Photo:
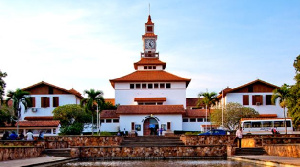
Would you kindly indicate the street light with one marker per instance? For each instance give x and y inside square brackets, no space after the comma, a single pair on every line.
[222,109]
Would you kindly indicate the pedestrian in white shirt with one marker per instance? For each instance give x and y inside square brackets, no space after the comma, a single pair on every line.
[239,136]
[29,135]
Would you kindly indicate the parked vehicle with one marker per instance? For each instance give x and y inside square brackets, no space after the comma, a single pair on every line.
[214,132]
[265,126]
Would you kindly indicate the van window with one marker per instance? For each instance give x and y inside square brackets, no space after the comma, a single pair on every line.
[247,125]
[267,124]
[256,124]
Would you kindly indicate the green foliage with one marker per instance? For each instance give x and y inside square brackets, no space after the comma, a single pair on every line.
[294,98]
[72,118]
[104,133]
[70,113]
[5,115]
[73,129]
[193,133]
[232,114]
[18,97]
[2,85]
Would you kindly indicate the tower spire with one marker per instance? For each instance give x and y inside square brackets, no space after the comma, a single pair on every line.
[149,8]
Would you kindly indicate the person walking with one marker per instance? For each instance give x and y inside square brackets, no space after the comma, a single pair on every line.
[239,136]
[41,135]
[29,135]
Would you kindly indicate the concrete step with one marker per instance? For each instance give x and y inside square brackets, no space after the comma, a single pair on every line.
[251,151]
[64,152]
[152,141]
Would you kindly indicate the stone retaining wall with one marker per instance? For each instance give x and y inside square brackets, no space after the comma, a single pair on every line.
[88,140]
[10,153]
[38,143]
[193,140]
[281,140]
[283,150]
[150,152]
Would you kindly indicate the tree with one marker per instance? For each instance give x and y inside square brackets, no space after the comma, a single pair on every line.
[282,94]
[19,99]
[93,103]
[5,115]
[72,118]
[209,99]
[233,112]
[294,100]
[2,85]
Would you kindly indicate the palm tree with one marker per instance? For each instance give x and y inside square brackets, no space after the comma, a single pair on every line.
[282,94]
[209,99]
[93,103]
[19,98]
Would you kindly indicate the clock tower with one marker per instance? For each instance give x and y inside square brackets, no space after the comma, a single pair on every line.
[149,39]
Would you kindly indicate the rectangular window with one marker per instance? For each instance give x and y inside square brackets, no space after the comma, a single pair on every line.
[154,67]
[145,67]
[257,100]
[245,99]
[115,120]
[101,120]
[267,124]
[168,85]
[45,102]
[138,86]
[192,119]
[185,120]
[150,86]
[150,103]
[250,88]
[149,28]
[144,86]
[55,101]
[278,124]
[288,123]
[140,103]
[50,90]
[159,103]
[155,86]
[162,85]
[149,67]
[247,125]
[256,124]
[131,86]
[199,119]
[108,120]
[32,102]
[268,100]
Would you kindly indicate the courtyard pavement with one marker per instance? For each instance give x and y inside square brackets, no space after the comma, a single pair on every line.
[30,161]
[269,160]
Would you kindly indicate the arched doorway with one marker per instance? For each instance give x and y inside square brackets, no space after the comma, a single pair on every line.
[150,127]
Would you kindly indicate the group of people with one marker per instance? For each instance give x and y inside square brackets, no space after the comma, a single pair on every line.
[14,136]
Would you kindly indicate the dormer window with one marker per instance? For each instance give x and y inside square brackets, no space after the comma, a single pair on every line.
[149,67]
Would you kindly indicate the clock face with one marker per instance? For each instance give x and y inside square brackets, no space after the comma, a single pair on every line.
[149,44]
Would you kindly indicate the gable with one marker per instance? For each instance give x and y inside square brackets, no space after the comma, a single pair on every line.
[255,86]
[45,89]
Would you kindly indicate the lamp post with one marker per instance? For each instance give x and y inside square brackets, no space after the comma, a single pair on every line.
[206,117]
[222,110]
[97,120]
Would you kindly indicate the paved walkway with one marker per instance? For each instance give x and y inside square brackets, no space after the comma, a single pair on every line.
[30,161]
[269,160]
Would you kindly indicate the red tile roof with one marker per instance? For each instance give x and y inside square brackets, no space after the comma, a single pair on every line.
[71,91]
[108,114]
[268,115]
[192,102]
[196,113]
[161,99]
[39,118]
[150,109]
[149,61]
[150,76]
[149,22]
[53,123]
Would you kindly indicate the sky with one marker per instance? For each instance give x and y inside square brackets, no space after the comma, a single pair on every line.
[82,44]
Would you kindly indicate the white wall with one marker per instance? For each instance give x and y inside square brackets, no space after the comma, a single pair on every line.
[262,109]
[63,100]
[125,121]
[194,126]
[175,95]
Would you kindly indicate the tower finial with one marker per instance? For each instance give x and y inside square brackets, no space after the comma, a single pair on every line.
[149,8]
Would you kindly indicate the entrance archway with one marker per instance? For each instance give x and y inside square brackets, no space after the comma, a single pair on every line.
[150,127]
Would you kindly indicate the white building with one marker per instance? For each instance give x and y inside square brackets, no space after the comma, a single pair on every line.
[151,98]
[44,98]
[256,94]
